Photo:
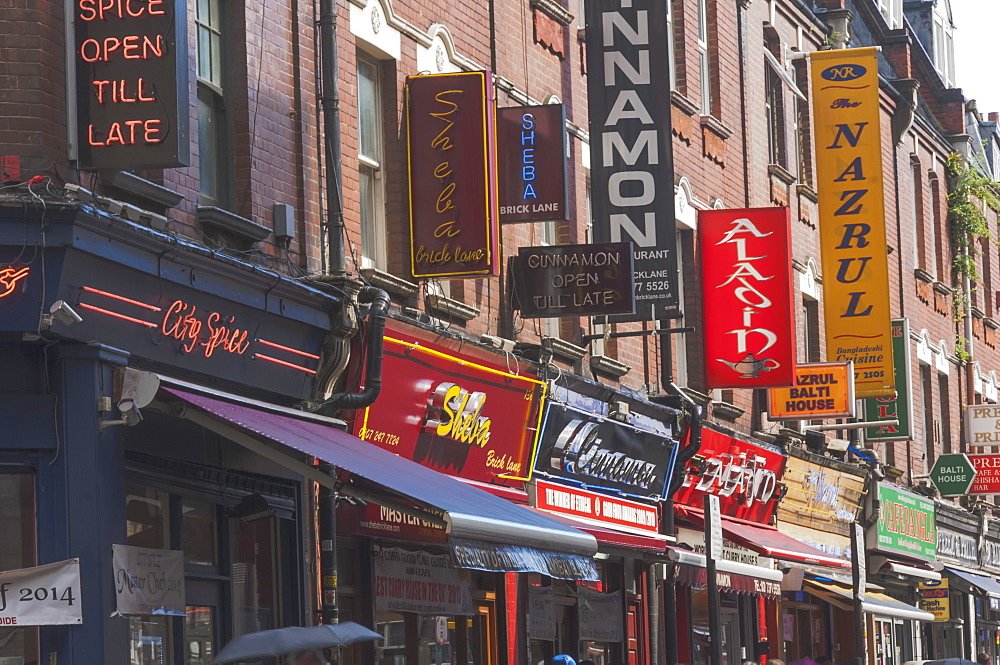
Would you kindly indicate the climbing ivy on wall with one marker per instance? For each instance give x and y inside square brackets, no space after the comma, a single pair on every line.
[970,193]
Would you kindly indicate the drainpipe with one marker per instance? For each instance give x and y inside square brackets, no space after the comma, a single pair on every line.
[330,102]
[970,379]
[742,6]
[379,300]
[674,484]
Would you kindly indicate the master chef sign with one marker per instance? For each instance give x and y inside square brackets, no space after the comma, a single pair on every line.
[746,282]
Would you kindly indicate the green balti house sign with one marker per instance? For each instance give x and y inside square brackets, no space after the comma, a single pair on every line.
[906,524]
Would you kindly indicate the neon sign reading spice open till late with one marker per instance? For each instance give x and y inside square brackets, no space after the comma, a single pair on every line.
[199,331]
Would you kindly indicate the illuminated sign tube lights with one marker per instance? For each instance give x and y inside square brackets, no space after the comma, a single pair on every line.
[285,348]
[283,363]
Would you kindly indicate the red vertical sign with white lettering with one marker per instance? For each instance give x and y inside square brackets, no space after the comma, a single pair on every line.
[748,320]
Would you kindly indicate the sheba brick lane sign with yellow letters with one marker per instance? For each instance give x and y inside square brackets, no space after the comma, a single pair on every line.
[852,216]
[451,149]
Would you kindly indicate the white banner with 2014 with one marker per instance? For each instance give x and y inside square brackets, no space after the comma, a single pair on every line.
[46,595]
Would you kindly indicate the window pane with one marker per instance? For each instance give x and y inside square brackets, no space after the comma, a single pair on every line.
[199,528]
[199,635]
[149,641]
[209,127]
[255,575]
[216,60]
[147,515]
[369,115]
[17,550]
[204,53]
[369,239]
[203,11]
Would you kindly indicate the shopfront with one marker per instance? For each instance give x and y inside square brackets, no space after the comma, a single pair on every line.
[988,625]
[148,410]
[603,468]
[746,475]
[823,499]
[953,631]
[902,543]
[466,413]
[89,473]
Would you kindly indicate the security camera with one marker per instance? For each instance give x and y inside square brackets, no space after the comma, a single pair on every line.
[131,416]
[61,311]
[130,412]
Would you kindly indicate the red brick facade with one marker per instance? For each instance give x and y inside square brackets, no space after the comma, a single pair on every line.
[536,51]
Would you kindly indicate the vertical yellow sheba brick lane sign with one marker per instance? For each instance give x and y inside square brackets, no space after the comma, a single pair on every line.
[852,216]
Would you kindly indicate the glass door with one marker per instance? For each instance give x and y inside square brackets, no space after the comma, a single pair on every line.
[203,621]
[731,639]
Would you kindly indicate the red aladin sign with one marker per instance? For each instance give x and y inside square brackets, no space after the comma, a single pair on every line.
[748,320]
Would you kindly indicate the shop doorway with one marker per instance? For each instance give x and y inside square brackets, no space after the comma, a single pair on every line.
[731,646]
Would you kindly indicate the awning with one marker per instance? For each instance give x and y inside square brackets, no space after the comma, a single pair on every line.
[485,531]
[730,575]
[987,585]
[614,538]
[905,570]
[767,541]
[874,603]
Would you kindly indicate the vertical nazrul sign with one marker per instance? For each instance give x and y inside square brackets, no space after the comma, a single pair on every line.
[852,216]
[631,163]
[453,181]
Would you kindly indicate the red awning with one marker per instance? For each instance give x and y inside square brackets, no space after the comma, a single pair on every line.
[766,540]
[612,537]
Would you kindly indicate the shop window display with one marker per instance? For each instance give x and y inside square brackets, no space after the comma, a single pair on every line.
[18,646]
[233,575]
[147,514]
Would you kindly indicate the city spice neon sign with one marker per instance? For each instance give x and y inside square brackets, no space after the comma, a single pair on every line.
[205,331]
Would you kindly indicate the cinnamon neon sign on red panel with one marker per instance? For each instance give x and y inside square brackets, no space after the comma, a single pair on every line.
[199,331]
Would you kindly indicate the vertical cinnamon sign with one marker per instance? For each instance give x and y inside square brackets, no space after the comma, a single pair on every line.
[852,216]
[453,181]
[749,323]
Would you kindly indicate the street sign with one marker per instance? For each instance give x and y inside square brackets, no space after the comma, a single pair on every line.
[713,524]
[953,475]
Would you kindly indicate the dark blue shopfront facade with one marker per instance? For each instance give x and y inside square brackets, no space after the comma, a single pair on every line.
[160,303]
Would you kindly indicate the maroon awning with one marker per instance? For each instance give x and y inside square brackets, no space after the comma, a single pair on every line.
[767,541]
[695,576]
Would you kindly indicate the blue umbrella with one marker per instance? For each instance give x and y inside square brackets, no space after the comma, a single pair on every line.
[282,641]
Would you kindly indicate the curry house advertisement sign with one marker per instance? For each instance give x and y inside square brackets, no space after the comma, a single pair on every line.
[852,216]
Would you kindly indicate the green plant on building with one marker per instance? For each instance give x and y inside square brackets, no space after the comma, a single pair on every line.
[970,193]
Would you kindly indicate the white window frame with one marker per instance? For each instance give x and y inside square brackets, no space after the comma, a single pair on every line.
[944,46]
[704,66]
[370,165]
